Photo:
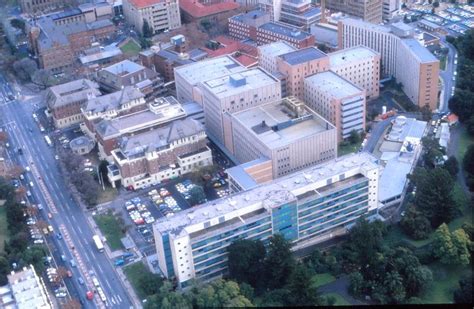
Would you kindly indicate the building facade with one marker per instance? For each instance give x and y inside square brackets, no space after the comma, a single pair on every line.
[66,100]
[232,93]
[287,132]
[35,7]
[390,8]
[367,10]
[401,57]
[337,100]
[159,15]
[360,65]
[297,65]
[268,54]
[150,157]
[306,207]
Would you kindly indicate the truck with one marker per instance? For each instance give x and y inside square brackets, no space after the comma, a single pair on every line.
[98,243]
[48,141]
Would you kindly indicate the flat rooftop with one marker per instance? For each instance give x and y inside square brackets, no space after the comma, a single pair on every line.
[124,68]
[239,82]
[284,30]
[276,49]
[349,55]
[422,53]
[276,124]
[272,194]
[403,128]
[303,55]
[249,15]
[331,83]
[364,24]
[201,71]
[393,179]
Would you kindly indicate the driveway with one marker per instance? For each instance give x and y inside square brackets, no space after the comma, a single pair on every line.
[340,286]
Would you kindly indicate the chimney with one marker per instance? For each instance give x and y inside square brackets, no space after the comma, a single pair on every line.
[263,124]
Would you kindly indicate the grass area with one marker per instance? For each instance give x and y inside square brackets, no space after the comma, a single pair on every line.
[340,301]
[445,281]
[397,236]
[111,228]
[131,48]
[322,279]
[134,272]
[347,149]
[3,227]
[464,142]
[106,196]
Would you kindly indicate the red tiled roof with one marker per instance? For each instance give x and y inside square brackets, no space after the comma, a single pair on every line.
[230,46]
[144,3]
[453,118]
[246,60]
[197,10]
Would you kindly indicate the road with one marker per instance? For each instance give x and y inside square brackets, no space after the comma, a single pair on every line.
[447,76]
[67,216]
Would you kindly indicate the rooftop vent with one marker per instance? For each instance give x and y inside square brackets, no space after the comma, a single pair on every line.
[190,216]
[237,80]
[295,33]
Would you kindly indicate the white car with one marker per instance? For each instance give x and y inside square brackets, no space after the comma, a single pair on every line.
[38,241]
[56,157]
[31,184]
[27,169]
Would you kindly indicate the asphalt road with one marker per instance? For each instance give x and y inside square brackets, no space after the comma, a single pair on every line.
[67,216]
[447,76]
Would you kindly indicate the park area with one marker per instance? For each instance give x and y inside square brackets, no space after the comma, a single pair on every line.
[111,228]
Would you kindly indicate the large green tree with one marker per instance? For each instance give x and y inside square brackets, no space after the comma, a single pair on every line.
[245,261]
[468,165]
[279,262]
[451,248]
[302,291]
[415,223]
[463,295]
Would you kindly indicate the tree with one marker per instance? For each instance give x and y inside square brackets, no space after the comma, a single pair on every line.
[149,283]
[166,298]
[72,304]
[415,223]
[279,262]
[470,125]
[393,284]
[426,113]
[3,136]
[61,274]
[146,29]
[356,284]
[197,195]
[18,23]
[451,248]
[103,170]
[15,171]
[435,4]
[4,270]
[354,137]
[43,78]
[219,293]
[452,166]
[245,261]
[463,295]
[468,165]
[462,103]
[25,68]
[302,291]
[462,245]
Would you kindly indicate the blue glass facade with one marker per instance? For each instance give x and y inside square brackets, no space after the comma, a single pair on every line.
[168,257]
[285,221]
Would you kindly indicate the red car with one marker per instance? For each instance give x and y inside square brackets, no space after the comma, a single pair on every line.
[90,295]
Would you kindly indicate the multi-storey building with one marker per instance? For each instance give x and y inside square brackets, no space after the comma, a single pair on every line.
[195,11]
[390,8]
[127,73]
[226,95]
[299,13]
[188,77]
[107,132]
[66,100]
[306,207]
[272,32]
[297,65]
[268,54]
[35,7]
[337,100]
[159,15]
[255,25]
[287,132]
[360,65]
[59,39]
[401,56]
[152,156]
[368,10]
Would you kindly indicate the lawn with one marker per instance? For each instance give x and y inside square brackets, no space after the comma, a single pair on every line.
[322,279]
[3,227]
[397,236]
[340,301]
[131,48]
[111,228]
[464,141]
[445,281]
[134,273]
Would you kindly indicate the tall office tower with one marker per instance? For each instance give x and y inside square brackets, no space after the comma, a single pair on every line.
[306,207]
[402,57]
[368,10]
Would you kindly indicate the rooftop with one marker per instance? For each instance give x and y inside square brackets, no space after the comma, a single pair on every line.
[268,195]
[232,84]
[284,30]
[303,55]
[123,68]
[249,15]
[113,100]
[276,49]
[173,56]
[393,178]
[403,128]
[350,55]
[197,9]
[140,4]
[77,90]
[106,53]
[283,122]
[331,83]
[423,54]
[207,69]
[28,290]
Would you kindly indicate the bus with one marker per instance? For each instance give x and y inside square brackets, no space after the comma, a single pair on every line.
[98,243]
[48,141]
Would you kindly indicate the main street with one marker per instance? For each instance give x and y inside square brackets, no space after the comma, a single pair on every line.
[447,75]
[66,216]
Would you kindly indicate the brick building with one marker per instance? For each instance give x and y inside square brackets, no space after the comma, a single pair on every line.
[66,100]
[194,10]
